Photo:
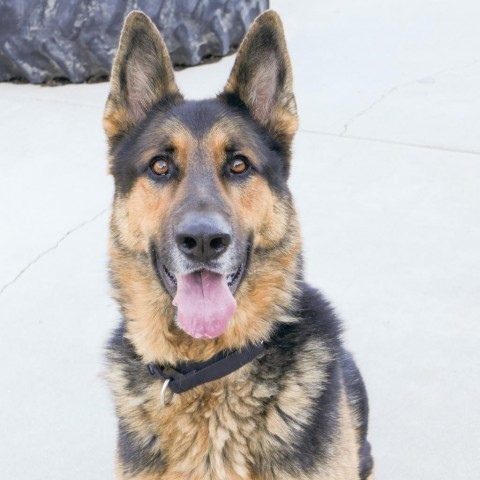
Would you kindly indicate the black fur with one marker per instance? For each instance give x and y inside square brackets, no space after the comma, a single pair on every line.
[316,322]
[198,117]
[304,348]
[137,459]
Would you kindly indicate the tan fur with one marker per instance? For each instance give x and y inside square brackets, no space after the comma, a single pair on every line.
[158,339]
[210,433]
[138,217]
[219,430]
[344,463]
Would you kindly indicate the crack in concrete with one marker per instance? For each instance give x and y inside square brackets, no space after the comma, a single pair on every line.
[365,110]
[53,247]
[390,142]
[382,97]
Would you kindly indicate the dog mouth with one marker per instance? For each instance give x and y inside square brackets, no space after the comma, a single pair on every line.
[203,298]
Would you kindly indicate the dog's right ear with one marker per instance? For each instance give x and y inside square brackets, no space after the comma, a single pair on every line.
[142,75]
[262,78]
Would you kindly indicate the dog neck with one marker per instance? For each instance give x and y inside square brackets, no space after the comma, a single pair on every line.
[187,375]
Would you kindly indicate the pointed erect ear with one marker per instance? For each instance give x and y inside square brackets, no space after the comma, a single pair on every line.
[142,74]
[262,77]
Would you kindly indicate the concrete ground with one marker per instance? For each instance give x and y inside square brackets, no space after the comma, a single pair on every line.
[386,176]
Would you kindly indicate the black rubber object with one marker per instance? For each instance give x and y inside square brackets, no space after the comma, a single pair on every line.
[75,40]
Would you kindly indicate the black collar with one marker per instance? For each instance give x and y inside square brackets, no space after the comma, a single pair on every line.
[187,375]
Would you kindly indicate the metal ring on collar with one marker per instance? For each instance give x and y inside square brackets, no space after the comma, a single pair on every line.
[163,398]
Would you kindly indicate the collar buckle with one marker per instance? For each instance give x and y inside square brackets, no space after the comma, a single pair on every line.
[165,401]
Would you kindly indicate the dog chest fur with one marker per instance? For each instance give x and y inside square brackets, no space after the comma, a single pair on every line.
[284,416]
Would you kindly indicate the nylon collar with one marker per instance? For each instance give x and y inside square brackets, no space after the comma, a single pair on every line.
[187,375]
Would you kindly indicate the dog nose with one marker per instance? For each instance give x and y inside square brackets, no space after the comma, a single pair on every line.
[203,237]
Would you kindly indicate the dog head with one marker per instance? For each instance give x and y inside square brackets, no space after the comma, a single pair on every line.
[205,243]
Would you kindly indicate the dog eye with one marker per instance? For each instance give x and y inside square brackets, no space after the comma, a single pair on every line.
[159,166]
[239,164]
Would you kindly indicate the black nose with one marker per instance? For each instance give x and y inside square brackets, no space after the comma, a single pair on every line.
[203,237]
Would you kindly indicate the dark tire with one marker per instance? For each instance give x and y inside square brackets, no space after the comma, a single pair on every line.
[75,40]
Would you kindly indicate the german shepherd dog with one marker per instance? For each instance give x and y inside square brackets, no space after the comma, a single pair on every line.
[226,365]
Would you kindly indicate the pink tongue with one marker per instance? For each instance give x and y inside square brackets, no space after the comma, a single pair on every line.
[205,304]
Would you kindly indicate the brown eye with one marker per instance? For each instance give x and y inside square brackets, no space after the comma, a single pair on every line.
[159,166]
[238,165]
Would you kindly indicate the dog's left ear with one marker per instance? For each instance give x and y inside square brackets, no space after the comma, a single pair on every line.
[262,77]
[142,75]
